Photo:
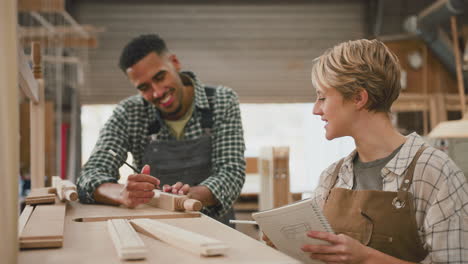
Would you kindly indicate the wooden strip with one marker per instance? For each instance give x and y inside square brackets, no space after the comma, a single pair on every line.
[41,200]
[26,79]
[37,120]
[41,5]
[41,243]
[45,224]
[456,50]
[156,216]
[24,217]
[126,241]
[41,196]
[181,238]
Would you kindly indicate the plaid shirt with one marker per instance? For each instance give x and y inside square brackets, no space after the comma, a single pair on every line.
[127,131]
[440,192]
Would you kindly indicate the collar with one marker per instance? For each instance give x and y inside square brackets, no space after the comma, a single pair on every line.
[398,164]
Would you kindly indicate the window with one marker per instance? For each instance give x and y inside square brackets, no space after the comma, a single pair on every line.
[291,125]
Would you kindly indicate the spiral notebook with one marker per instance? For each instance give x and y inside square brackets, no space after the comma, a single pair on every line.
[287,227]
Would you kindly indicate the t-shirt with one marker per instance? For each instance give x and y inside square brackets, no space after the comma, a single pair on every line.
[367,175]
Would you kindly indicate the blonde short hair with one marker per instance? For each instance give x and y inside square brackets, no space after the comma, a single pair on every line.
[361,64]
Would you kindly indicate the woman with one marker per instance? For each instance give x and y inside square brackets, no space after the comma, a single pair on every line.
[394,199]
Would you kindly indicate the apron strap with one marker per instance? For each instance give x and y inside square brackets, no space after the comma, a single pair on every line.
[334,177]
[207,114]
[400,200]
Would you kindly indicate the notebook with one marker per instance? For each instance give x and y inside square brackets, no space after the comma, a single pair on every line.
[287,227]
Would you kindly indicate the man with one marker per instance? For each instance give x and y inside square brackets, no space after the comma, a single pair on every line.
[189,135]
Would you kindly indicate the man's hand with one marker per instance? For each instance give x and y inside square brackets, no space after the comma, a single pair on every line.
[199,192]
[178,188]
[139,188]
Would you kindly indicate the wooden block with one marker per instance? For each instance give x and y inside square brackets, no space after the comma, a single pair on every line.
[24,217]
[66,190]
[45,227]
[181,238]
[126,241]
[41,196]
[174,202]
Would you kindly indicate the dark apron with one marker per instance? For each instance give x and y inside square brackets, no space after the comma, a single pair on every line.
[187,161]
[379,219]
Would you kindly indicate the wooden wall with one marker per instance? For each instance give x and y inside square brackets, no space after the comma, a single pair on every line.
[261,49]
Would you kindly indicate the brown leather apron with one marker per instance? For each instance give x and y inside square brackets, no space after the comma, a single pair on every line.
[382,220]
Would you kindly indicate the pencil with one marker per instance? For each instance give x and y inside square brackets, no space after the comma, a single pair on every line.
[242,222]
[115,155]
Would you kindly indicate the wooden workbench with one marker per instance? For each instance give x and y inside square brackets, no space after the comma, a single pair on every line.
[90,242]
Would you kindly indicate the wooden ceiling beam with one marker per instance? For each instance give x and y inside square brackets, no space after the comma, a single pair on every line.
[41,5]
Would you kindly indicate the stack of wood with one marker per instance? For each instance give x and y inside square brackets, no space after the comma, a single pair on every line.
[42,221]
[41,196]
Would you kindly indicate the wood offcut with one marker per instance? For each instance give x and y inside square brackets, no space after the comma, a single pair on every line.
[180,238]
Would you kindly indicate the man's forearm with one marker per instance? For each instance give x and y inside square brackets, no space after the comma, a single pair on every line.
[203,194]
[109,193]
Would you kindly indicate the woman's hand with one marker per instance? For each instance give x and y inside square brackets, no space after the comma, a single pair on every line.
[342,248]
[267,240]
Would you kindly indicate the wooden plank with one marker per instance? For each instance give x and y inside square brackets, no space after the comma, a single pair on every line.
[9,132]
[45,227]
[37,120]
[98,212]
[408,102]
[27,82]
[41,5]
[41,196]
[24,217]
[69,41]
[41,243]
[456,49]
[126,241]
[181,238]
[174,202]
[136,216]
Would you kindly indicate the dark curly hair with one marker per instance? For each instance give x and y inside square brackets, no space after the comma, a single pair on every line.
[139,47]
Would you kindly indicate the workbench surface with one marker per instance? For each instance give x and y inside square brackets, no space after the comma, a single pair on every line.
[90,242]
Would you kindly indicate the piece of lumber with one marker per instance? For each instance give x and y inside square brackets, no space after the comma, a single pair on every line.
[37,120]
[98,212]
[181,238]
[45,227]
[27,82]
[274,177]
[41,5]
[456,50]
[24,217]
[136,216]
[44,195]
[66,190]
[174,202]
[126,241]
